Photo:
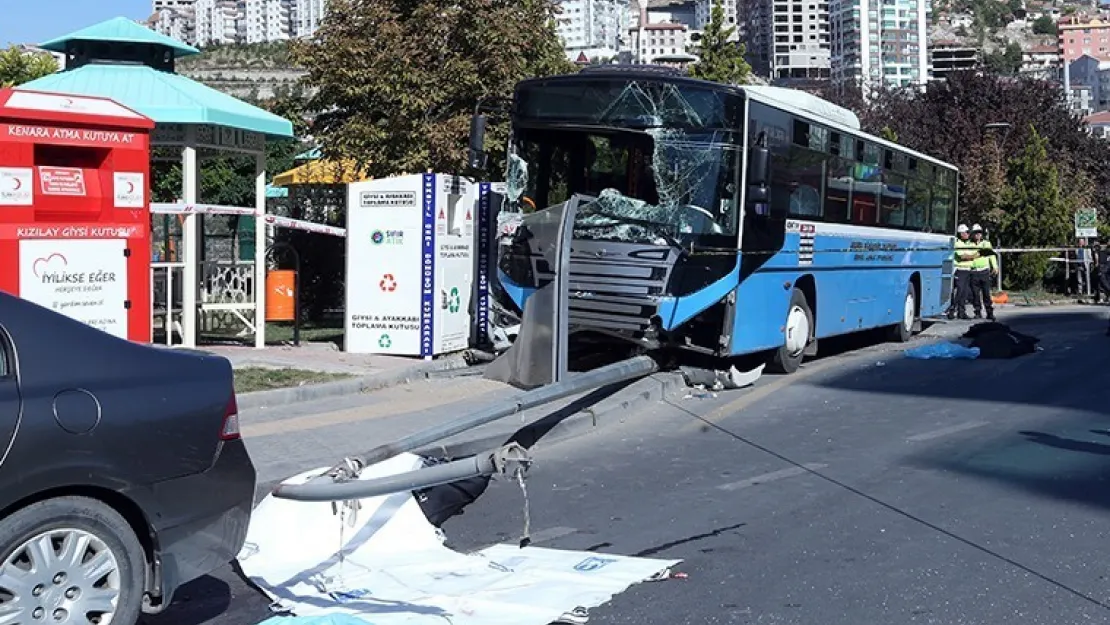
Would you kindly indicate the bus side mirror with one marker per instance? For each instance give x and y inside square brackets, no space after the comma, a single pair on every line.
[759,175]
[478,142]
[759,166]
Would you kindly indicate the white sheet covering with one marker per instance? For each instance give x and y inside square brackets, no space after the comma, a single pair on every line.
[397,570]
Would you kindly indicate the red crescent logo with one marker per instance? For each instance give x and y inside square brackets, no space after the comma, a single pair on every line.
[130,187]
[18,184]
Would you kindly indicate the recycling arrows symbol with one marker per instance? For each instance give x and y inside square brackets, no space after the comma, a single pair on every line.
[385,342]
[387,283]
[453,301]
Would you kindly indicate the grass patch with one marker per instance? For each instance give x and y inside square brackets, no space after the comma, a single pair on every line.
[252,379]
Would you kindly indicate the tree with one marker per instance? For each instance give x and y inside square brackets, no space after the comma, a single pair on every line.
[1006,61]
[1035,211]
[949,121]
[18,66]
[398,80]
[719,59]
[1044,25]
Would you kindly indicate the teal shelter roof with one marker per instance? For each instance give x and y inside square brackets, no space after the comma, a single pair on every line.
[310,155]
[121,30]
[164,97]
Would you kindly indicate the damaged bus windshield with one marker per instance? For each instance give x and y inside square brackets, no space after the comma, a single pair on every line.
[659,157]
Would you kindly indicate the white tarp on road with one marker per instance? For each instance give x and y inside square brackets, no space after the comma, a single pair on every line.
[395,568]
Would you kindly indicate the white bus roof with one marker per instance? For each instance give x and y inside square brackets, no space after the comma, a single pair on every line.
[821,110]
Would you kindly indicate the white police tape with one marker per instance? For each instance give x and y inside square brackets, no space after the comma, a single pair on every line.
[271,220]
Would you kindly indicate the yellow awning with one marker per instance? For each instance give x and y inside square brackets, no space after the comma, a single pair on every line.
[321,172]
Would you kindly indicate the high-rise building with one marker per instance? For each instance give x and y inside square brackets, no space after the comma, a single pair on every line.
[208,22]
[788,40]
[268,20]
[308,14]
[734,16]
[876,42]
[217,21]
[592,27]
[174,18]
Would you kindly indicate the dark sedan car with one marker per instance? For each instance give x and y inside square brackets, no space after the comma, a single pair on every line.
[122,472]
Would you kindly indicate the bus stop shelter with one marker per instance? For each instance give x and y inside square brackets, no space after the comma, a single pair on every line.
[135,66]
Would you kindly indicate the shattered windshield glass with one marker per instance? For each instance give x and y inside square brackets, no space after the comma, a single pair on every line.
[658,174]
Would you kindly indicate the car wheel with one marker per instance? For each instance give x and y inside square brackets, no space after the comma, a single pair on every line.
[903,330]
[799,331]
[70,560]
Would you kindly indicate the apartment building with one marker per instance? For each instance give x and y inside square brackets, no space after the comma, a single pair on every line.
[174,18]
[1077,36]
[734,16]
[591,27]
[788,40]
[210,22]
[876,42]
[217,22]
[307,16]
[268,20]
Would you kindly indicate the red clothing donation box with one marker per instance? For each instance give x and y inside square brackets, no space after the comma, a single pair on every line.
[75,208]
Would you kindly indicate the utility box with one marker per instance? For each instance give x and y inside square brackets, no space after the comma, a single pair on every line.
[75,208]
[410,265]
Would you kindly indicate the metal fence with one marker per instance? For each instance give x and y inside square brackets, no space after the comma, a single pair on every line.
[1063,274]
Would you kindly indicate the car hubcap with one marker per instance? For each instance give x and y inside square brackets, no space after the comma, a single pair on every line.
[60,576]
[907,313]
[797,330]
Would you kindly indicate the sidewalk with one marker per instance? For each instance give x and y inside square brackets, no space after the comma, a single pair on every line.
[369,372]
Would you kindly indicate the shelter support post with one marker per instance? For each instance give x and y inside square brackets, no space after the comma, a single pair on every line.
[260,251]
[189,256]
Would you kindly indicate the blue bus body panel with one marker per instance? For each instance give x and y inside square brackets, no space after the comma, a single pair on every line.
[860,275]
[675,311]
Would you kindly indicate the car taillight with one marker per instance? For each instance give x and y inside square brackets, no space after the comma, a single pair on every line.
[230,429]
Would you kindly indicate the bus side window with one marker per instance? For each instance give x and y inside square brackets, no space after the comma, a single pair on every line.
[838,190]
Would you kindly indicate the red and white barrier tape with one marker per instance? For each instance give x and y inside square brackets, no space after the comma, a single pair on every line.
[199,209]
[271,220]
[307,226]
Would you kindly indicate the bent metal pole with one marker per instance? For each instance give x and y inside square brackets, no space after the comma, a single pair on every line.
[625,370]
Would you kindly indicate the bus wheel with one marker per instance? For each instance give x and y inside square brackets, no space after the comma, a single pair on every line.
[903,331]
[799,331]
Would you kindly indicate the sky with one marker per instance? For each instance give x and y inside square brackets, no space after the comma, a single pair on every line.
[34,21]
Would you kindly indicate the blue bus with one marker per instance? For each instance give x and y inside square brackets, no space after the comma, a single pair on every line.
[724,220]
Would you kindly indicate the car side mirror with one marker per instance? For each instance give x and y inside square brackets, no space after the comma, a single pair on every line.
[477,157]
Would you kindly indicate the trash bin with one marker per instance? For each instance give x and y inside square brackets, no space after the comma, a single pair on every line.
[281,295]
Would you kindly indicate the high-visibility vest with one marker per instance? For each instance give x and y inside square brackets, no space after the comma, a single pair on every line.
[966,253]
[985,261]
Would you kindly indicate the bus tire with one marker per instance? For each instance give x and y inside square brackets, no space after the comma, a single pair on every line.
[798,330]
[902,331]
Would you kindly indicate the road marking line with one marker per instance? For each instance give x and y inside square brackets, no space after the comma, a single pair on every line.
[952,429]
[772,476]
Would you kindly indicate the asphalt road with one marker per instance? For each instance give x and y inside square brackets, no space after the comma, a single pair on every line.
[867,489]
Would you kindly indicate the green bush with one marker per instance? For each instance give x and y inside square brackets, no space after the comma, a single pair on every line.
[1021,272]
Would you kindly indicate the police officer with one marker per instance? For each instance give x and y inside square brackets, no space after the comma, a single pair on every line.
[983,268]
[1101,271]
[966,252]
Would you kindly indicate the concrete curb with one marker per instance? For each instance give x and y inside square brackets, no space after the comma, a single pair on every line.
[364,384]
[566,423]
